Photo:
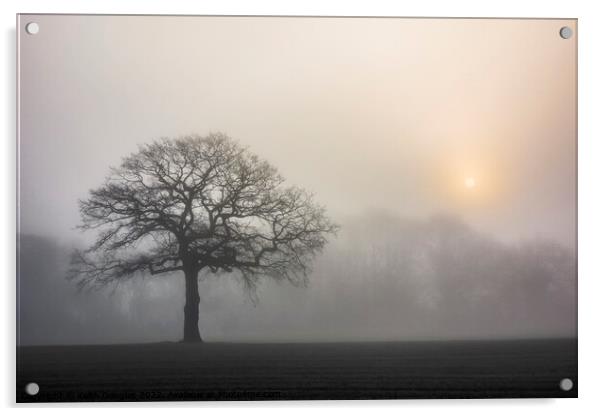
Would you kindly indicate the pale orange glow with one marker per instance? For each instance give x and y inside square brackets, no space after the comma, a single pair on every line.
[470,182]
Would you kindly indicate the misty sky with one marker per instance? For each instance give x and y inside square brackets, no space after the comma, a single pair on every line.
[380,118]
[367,113]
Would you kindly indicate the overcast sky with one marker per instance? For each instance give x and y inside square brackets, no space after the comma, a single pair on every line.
[393,114]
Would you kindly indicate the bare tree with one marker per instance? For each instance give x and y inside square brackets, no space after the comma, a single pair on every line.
[198,203]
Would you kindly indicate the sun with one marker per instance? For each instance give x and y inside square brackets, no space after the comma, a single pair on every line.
[470,182]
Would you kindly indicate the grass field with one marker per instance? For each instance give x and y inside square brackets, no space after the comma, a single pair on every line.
[233,371]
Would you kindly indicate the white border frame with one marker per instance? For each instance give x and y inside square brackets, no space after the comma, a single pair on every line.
[590,177]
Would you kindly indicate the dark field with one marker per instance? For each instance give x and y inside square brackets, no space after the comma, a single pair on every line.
[224,371]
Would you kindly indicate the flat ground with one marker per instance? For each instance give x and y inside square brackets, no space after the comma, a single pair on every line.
[231,371]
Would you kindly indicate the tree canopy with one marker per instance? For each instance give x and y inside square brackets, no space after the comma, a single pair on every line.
[197,203]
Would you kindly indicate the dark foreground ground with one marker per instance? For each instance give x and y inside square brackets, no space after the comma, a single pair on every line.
[223,371]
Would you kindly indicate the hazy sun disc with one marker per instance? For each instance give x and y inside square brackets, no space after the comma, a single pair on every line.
[470,182]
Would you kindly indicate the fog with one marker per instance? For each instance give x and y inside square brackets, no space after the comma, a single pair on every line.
[382,119]
[384,278]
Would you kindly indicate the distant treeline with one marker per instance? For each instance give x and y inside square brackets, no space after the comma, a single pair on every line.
[383,278]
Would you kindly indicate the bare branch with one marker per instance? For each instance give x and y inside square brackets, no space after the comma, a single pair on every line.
[199,202]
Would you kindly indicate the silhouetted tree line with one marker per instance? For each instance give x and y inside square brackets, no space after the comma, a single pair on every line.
[384,277]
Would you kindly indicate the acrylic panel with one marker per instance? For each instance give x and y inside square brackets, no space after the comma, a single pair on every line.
[296,208]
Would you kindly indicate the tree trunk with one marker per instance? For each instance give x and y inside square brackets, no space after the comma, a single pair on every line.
[191,308]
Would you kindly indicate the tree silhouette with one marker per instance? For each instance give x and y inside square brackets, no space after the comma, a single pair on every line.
[198,203]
